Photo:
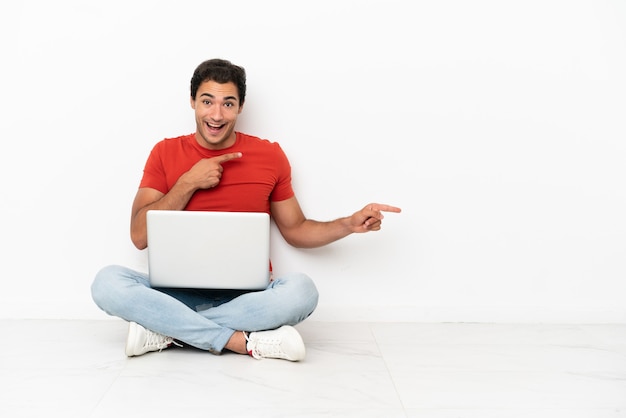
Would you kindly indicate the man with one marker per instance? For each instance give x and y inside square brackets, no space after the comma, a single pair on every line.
[220,169]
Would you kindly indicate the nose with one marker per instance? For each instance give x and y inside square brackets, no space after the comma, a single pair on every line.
[215,113]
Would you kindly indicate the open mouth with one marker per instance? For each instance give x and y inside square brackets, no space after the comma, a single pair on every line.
[214,128]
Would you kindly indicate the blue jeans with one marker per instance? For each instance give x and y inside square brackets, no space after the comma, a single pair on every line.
[203,319]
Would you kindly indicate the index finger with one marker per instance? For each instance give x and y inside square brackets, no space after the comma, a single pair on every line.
[227,157]
[384,208]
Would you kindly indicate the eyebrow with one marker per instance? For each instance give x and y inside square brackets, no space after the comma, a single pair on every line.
[213,97]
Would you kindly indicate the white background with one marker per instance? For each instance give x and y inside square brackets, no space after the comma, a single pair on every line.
[497,126]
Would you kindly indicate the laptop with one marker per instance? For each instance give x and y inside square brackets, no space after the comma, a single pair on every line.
[208,250]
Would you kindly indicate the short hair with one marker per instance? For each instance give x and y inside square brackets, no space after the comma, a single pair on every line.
[221,71]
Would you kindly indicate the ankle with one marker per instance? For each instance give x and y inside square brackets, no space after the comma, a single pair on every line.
[237,343]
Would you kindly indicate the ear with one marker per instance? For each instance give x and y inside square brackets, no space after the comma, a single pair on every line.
[240,109]
[192,102]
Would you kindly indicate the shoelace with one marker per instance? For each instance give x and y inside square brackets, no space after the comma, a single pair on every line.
[265,348]
[158,341]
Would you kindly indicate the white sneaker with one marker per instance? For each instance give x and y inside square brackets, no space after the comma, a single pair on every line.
[283,343]
[141,340]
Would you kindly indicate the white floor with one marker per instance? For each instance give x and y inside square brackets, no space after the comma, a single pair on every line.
[78,369]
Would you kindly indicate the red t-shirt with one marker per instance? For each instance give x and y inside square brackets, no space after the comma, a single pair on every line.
[248,184]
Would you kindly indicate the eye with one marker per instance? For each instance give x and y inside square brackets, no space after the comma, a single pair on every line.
[228,104]
[206,102]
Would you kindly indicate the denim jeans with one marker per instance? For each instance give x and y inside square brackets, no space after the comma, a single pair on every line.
[203,319]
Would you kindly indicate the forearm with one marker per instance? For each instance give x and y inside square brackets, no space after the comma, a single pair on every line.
[307,233]
[176,199]
[313,234]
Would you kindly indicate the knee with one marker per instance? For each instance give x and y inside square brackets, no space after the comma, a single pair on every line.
[103,287]
[310,291]
[304,296]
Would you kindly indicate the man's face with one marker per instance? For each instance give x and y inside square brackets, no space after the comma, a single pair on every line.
[217,108]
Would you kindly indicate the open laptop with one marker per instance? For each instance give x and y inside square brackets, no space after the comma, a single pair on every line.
[208,250]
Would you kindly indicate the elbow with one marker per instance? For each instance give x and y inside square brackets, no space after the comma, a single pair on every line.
[296,237]
[298,243]
[140,242]
[293,242]
[140,246]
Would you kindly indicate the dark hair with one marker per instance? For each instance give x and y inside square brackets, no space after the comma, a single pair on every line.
[221,71]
